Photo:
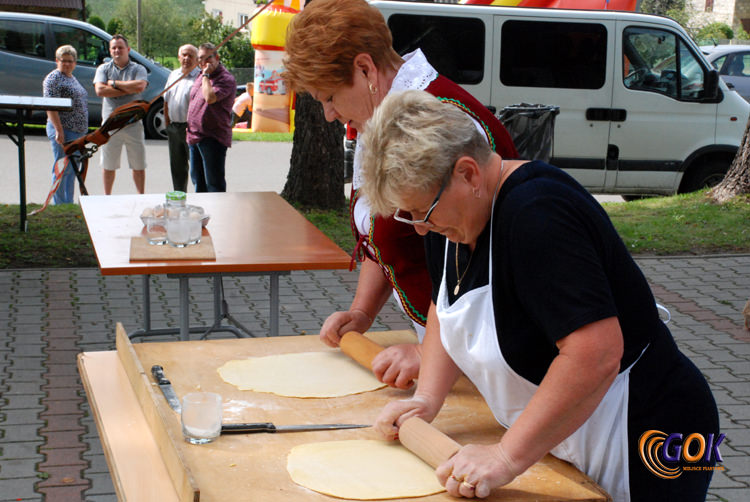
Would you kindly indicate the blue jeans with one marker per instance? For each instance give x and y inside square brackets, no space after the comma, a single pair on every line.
[207,159]
[66,191]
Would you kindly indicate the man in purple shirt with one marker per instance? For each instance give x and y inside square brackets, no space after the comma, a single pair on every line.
[209,129]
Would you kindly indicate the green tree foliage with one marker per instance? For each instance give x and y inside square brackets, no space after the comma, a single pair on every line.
[662,7]
[168,24]
[236,53]
[105,9]
[114,26]
[679,10]
[714,32]
[162,25]
[96,21]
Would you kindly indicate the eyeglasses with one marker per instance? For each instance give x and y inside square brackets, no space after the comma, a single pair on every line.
[68,61]
[424,221]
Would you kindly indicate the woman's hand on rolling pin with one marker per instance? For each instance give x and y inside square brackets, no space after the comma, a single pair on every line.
[476,469]
[398,365]
[340,323]
[396,412]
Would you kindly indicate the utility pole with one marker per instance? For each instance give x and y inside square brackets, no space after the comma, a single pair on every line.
[138,26]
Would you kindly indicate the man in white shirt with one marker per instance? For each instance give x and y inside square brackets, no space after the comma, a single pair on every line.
[176,101]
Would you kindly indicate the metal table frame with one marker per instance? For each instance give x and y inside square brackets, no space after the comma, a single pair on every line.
[221,308]
[270,238]
[22,104]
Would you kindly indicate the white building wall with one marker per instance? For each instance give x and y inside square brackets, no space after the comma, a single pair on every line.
[724,11]
[231,10]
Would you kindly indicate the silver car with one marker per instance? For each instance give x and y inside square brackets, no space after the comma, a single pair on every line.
[27,54]
[733,64]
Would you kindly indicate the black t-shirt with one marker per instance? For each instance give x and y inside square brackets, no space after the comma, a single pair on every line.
[558,265]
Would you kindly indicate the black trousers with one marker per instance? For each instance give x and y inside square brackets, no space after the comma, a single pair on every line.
[179,155]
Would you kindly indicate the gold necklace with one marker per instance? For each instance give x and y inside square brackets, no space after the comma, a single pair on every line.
[461,278]
[458,282]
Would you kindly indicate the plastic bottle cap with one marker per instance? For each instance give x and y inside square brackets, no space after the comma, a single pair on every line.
[176,195]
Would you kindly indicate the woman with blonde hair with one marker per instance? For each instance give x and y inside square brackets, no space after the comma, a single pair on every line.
[537,301]
[340,52]
[63,127]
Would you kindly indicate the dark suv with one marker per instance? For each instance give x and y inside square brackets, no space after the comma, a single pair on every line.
[27,54]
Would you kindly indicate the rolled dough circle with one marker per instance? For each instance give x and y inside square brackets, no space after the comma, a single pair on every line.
[303,374]
[361,470]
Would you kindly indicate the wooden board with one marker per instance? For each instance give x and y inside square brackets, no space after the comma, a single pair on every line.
[253,466]
[141,250]
[158,418]
[134,458]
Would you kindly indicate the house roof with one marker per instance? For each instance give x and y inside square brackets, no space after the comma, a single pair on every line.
[55,4]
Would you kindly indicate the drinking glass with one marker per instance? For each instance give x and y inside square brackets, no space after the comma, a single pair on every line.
[178,228]
[201,417]
[156,233]
[195,228]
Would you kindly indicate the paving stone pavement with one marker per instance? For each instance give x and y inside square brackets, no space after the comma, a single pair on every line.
[49,446]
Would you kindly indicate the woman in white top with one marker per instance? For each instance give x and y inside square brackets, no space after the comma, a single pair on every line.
[340,52]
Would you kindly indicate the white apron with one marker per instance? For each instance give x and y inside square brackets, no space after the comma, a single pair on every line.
[467,331]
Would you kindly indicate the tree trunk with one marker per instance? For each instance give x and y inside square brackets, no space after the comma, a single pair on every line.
[737,180]
[316,171]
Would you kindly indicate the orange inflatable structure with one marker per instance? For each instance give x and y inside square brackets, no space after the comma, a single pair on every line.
[272,105]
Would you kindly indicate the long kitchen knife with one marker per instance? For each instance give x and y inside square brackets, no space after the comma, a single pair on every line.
[166,388]
[269,427]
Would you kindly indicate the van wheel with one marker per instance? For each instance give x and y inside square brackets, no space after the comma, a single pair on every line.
[153,122]
[705,175]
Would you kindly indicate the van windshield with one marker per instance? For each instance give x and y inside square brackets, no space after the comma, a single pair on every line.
[658,61]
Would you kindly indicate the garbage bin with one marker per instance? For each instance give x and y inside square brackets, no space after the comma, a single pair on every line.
[532,128]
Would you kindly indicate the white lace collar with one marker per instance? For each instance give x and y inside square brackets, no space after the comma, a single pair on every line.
[416,73]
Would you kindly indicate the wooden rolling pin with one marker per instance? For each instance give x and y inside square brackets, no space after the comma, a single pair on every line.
[360,348]
[426,442]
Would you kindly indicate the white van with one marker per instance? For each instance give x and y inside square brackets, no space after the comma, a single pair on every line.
[641,111]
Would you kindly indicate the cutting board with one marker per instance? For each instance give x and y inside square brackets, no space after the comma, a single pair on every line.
[141,250]
[253,466]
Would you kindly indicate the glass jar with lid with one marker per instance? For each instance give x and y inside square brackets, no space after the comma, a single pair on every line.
[176,199]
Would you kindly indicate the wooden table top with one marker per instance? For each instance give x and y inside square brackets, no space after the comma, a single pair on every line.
[253,466]
[251,232]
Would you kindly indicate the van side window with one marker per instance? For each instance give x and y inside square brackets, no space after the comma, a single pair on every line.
[453,45]
[658,61]
[23,37]
[718,63]
[736,65]
[91,49]
[553,54]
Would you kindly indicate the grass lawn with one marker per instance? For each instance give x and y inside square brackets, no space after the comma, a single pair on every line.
[683,224]
[247,135]
[680,225]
